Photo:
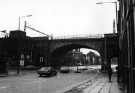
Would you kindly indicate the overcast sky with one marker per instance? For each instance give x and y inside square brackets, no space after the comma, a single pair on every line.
[58,17]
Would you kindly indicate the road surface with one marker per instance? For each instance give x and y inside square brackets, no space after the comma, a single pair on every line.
[31,83]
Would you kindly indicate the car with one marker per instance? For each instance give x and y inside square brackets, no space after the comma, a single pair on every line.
[47,71]
[64,70]
[84,69]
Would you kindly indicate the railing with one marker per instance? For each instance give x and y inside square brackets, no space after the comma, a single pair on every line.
[79,36]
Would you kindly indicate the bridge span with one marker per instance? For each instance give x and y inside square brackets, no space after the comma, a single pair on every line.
[107,46]
[37,49]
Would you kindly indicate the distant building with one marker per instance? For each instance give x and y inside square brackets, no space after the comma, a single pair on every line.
[79,57]
[93,59]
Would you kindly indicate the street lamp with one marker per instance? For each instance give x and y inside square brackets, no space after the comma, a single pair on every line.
[115,9]
[20,20]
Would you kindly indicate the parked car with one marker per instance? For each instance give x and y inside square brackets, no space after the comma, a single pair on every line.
[47,71]
[64,70]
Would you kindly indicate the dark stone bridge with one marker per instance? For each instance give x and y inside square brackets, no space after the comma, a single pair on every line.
[61,46]
[107,46]
[51,51]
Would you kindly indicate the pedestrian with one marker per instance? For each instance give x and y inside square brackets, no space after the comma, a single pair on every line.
[109,73]
[18,67]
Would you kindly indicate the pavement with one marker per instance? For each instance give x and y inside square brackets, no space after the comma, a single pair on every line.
[102,85]
[99,84]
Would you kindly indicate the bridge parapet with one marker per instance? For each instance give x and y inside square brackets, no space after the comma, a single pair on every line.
[80,36]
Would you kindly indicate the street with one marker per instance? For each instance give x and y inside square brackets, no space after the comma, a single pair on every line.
[29,82]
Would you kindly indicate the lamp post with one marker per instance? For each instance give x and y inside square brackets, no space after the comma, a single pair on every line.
[20,20]
[115,10]
[49,51]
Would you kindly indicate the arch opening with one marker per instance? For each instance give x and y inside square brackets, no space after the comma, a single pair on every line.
[74,54]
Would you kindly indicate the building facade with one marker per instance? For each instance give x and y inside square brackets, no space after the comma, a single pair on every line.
[20,49]
[93,59]
[126,32]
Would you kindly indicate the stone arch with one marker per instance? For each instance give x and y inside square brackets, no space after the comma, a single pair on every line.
[60,51]
[96,44]
[59,47]
[65,48]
